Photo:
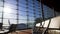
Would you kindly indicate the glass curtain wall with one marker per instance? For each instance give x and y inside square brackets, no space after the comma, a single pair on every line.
[48,12]
[23,11]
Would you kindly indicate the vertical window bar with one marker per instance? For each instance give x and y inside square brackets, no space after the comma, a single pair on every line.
[27,12]
[42,9]
[3,12]
[42,12]
[54,12]
[34,12]
[17,13]
[43,16]
[34,17]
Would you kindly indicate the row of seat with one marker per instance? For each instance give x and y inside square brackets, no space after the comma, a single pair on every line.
[13,28]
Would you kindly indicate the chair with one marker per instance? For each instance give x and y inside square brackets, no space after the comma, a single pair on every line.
[12,28]
[1,29]
[1,26]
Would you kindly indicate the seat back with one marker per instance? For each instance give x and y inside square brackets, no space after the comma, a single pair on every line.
[1,25]
[12,27]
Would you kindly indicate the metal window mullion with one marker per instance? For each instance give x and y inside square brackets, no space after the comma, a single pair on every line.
[34,16]
[34,12]
[34,9]
[3,12]
[42,10]
[17,13]
[54,12]
[43,16]
[27,12]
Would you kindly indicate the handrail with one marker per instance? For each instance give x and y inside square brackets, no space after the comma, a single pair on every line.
[47,27]
[9,21]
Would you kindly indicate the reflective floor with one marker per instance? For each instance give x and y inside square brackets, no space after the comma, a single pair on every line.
[54,31]
[28,31]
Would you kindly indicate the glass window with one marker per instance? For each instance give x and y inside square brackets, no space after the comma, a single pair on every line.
[47,12]
[22,8]
[37,12]
[37,16]
[23,21]
[10,6]
[1,0]
[1,3]
[36,3]
[12,21]
[31,18]
[0,15]
[1,9]
[22,2]
[50,12]
[5,22]
[34,0]
[31,21]
[40,15]
[40,10]
[11,1]
[46,16]
[10,16]
[30,25]
[30,8]
[9,10]
[14,12]
[37,7]
[23,17]
[23,13]
[29,4]
[30,1]
[45,7]
[30,14]
[23,5]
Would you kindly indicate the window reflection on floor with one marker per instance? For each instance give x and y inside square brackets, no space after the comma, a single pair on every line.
[54,31]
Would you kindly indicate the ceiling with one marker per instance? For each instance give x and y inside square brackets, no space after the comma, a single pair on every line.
[52,4]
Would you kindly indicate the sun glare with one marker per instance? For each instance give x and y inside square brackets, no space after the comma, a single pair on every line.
[7,10]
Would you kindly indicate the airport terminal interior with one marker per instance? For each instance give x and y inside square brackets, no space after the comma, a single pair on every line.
[29,17]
